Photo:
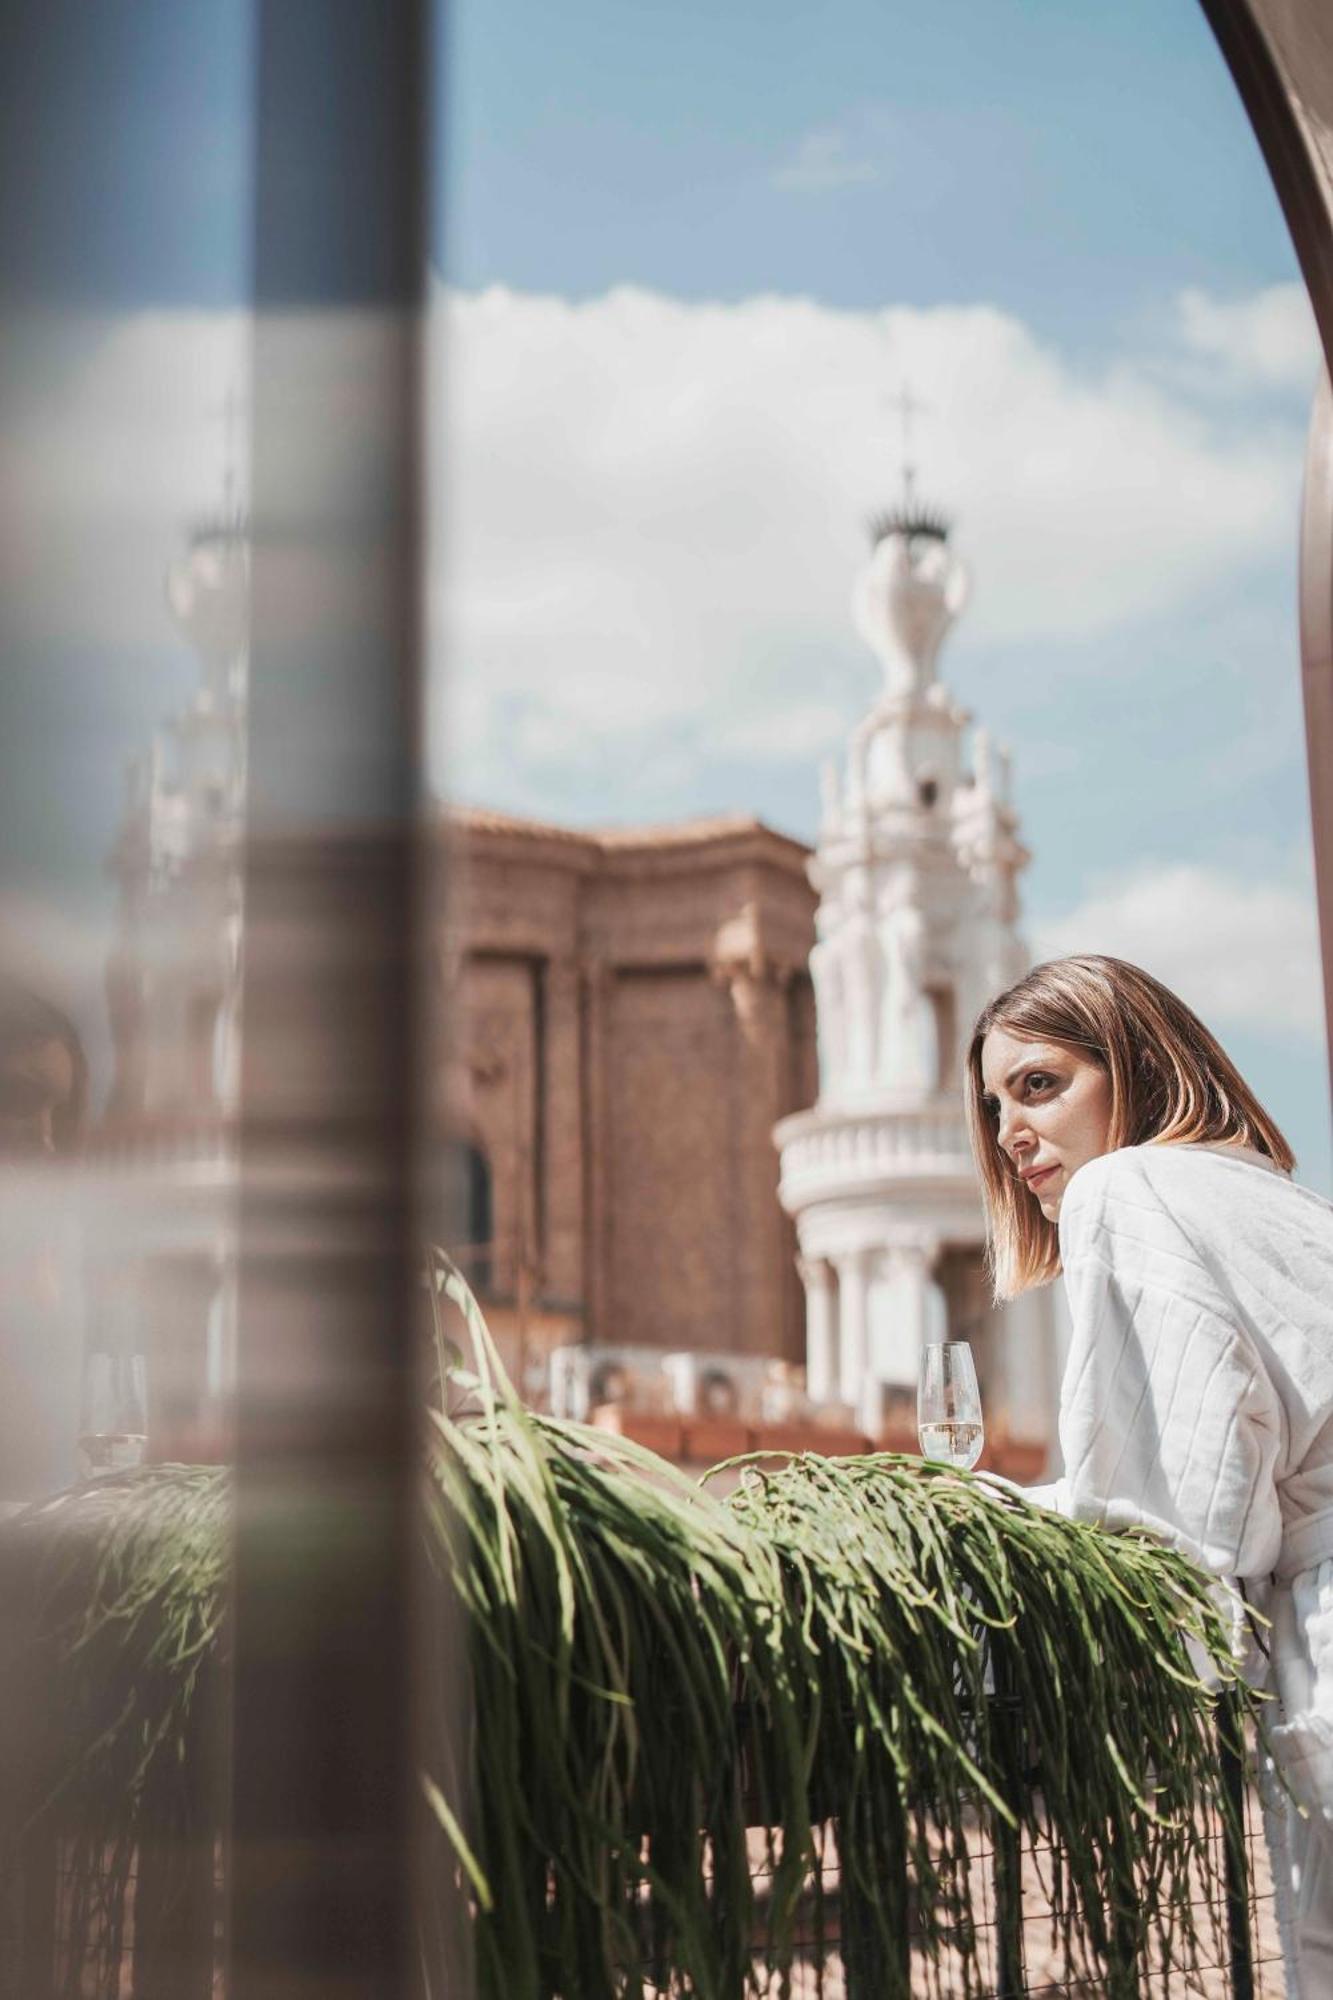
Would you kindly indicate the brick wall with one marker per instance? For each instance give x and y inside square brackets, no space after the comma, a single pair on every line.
[626,1017]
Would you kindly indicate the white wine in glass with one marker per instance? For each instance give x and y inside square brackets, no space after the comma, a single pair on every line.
[112,1413]
[948,1405]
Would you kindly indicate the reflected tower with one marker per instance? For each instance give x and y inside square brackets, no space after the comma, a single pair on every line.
[174,975]
[173,988]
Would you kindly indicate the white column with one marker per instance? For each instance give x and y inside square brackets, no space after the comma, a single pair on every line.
[909,1311]
[821,1352]
[858,961]
[853,1325]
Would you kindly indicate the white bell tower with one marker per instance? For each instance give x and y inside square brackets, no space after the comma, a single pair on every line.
[916,869]
[173,979]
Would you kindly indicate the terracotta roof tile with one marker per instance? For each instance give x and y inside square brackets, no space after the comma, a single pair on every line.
[484,819]
[680,833]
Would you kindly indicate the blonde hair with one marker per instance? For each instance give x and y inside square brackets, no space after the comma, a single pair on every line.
[1171,1084]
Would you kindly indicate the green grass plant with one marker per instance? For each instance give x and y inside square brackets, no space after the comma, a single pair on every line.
[679,1707]
[115,1610]
[654,1666]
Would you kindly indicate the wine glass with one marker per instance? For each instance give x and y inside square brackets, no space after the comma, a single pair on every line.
[112,1413]
[948,1405]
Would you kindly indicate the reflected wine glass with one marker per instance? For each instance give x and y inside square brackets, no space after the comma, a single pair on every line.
[948,1405]
[112,1415]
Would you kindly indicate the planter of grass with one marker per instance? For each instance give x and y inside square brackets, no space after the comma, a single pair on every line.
[679,1709]
[832,1632]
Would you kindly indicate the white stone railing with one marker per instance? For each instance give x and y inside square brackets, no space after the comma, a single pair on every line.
[881,1144]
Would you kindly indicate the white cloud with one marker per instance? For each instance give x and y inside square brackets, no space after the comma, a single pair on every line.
[60,952]
[1265,340]
[1242,953]
[115,443]
[795,729]
[652,511]
[122,433]
[822,162]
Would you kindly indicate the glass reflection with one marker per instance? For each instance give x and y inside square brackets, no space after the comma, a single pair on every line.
[124,565]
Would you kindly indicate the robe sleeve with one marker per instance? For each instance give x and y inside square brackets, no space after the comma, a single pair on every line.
[1168,1419]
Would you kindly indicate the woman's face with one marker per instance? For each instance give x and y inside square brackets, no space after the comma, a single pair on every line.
[1052,1111]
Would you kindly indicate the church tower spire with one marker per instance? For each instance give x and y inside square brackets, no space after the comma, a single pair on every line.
[891,891]
[916,871]
[173,977]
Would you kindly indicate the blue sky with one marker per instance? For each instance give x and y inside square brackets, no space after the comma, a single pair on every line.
[1065,160]
[125,175]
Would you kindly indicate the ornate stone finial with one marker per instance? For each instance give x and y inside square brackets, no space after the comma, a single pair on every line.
[981,758]
[908,595]
[740,962]
[208,591]
[738,946]
[208,587]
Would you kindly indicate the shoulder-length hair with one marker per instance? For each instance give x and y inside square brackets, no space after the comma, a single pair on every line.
[1171,1084]
[25,1017]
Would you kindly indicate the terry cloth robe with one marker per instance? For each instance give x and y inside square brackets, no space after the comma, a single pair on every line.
[1197,1401]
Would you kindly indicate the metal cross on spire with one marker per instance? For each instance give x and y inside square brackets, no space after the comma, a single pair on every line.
[229,414]
[907,406]
[910,517]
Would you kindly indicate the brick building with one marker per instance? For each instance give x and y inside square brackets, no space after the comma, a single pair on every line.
[631,1013]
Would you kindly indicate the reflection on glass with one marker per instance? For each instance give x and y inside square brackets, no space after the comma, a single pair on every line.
[123,346]
[113,1422]
[43,1097]
[43,1076]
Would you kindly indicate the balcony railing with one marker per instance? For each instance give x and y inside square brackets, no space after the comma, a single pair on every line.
[832,1150]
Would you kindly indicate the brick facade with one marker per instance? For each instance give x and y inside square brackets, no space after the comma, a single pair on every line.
[626,1017]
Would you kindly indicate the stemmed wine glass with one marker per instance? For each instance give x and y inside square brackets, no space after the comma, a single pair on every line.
[112,1413]
[948,1405]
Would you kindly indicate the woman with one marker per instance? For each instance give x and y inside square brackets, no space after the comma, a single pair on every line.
[1117,1143]
[43,1076]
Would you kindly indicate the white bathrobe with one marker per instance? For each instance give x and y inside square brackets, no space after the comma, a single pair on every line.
[1198,1401]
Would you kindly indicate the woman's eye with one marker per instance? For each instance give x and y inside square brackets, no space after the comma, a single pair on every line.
[1038,1080]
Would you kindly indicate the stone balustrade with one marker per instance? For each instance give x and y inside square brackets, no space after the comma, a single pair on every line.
[913,1145]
